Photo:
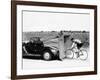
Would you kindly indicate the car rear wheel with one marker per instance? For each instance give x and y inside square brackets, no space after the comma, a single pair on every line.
[47,55]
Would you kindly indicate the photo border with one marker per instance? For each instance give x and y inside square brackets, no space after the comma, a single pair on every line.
[14,39]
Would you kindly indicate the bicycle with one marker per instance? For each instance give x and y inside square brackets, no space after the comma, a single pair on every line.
[81,54]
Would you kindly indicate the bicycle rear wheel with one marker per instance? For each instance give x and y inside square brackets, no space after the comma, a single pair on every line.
[69,54]
[83,55]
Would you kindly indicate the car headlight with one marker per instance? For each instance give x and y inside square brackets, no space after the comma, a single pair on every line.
[53,50]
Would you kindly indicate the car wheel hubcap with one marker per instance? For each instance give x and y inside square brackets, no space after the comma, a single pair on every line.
[46,56]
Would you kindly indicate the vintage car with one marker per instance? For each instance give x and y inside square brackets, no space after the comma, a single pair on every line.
[35,48]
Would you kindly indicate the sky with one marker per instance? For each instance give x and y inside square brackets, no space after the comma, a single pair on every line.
[55,21]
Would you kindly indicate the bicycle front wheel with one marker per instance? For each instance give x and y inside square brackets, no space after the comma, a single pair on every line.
[69,54]
[83,55]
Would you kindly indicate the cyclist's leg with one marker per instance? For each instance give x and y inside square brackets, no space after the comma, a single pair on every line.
[76,51]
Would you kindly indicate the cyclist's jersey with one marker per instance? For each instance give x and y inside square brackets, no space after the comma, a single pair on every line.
[75,44]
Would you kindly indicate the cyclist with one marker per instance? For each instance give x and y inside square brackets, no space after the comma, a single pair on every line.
[76,45]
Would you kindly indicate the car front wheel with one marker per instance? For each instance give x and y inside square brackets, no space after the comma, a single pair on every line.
[47,55]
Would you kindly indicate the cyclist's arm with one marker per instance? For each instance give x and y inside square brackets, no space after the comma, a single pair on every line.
[73,45]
